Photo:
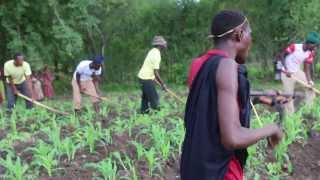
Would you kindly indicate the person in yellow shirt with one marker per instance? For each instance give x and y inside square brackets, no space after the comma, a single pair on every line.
[17,76]
[149,73]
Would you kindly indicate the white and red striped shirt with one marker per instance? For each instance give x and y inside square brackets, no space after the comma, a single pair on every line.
[296,56]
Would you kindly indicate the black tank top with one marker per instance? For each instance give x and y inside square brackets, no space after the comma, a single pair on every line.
[203,155]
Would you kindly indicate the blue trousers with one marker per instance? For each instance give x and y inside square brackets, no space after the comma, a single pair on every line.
[12,98]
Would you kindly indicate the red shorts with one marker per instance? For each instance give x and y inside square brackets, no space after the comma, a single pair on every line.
[235,172]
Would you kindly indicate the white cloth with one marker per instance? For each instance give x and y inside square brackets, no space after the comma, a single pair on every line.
[296,57]
[85,72]
[289,85]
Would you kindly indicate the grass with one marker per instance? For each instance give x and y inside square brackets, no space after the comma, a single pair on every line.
[119,142]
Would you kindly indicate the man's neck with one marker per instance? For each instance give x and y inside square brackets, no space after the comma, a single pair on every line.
[157,47]
[304,47]
[228,49]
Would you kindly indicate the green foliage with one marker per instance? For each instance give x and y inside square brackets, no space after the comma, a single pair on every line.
[89,135]
[107,168]
[15,169]
[69,148]
[60,33]
[139,149]
[125,145]
[295,129]
[44,156]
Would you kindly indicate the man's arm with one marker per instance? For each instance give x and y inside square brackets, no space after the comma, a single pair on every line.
[96,80]
[233,135]
[282,57]
[7,77]
[158,78]
[307,71]
[12,85]
[78,81]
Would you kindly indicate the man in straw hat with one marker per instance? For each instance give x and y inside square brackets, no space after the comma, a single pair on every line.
[291,59]
[85,80]
[149,73]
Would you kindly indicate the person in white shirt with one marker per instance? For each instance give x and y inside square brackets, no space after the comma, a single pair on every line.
[292,59]
[85,80]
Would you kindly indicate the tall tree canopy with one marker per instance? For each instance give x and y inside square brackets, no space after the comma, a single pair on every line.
[62,32]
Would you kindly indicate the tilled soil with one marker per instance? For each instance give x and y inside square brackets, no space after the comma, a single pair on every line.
[306,160]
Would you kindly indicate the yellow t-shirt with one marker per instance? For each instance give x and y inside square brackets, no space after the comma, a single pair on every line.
[151,62]
[17,73]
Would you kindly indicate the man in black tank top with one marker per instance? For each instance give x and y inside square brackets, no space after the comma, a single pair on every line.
[218,107]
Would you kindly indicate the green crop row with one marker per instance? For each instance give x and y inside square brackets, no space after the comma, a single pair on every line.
[119,143]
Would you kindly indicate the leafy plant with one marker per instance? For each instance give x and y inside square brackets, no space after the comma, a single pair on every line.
[89,135]
[44,156]
[69,148]
[15,169]
[151,159]
[139,149]
[161,139]
[54,135]
[127,165]
[107,168]
[106,136]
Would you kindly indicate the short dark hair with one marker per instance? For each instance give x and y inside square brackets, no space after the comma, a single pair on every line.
[225,21]
[17,54]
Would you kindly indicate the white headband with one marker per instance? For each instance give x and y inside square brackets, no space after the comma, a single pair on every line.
[228,32]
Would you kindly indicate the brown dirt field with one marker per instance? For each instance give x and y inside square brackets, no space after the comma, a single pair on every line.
[306,160]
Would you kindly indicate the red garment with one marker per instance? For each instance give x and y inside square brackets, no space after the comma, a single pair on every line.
[235,171]
[199,61]
[47,79]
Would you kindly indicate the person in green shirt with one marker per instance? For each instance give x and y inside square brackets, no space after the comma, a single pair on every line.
[149,75]
[17,79]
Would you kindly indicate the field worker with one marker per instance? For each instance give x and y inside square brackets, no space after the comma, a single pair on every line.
[85,80]
[217,116]
[47,78]
[149,73]
[17,73]
[37,87]
[292,58]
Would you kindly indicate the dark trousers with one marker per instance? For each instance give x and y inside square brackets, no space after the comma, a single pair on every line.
[150,97]
[12,98]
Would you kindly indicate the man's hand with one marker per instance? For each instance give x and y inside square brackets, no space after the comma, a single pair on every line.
[164,87]
[82,89]
[15,91]
[281,100]
[288,74]
[310,83]
[276,137]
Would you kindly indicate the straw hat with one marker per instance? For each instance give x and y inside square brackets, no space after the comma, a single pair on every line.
[159,41]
